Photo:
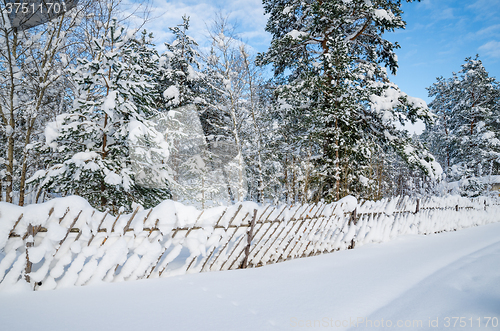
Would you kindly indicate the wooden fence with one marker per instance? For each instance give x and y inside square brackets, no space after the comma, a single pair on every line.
[74,244]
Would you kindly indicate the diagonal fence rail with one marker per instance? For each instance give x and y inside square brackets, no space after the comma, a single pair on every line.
[65,242]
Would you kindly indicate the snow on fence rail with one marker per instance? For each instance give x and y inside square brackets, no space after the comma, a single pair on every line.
[65,242]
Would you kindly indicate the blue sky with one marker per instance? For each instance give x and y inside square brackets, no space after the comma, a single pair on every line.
[247,15]
[438,37]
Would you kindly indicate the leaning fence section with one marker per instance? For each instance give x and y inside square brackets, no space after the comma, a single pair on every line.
[65,242]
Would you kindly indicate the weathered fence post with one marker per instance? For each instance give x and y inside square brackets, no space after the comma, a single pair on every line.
[456,208]
[249,239]
[417,209]
[353,217]
[30,242]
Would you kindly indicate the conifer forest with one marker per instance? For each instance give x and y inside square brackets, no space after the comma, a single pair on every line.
[90,106]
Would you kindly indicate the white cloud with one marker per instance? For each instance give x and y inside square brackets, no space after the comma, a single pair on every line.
[247,14]
[446,14]
[490,30]
[491,48]
[485,9]
[427,3]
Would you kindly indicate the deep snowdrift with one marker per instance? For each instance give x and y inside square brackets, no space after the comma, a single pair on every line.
[411,279]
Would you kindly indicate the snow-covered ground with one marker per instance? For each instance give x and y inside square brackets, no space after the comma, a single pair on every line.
[446,281]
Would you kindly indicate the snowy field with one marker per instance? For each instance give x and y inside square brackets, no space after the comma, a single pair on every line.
[448,281]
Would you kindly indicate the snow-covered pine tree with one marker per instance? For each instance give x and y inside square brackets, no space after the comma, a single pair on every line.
[336,94]
[181,86]
[35,85]
[467,135]
[91,143]
[180,79]
[436,136]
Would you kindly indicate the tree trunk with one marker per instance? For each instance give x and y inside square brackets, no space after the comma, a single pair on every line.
[47,60]
[12,58]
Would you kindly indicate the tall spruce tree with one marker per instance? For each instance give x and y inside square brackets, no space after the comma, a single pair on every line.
[335,91]
[466,137]
[180,79]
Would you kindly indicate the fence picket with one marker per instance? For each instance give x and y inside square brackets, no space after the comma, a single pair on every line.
[226,229]
[324,232]
[291,228]
[294,237]
[248,236]
[311,229]
[263,235]
[235,246]
[249,240]
[12,232]
[125,229]
[30,242]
